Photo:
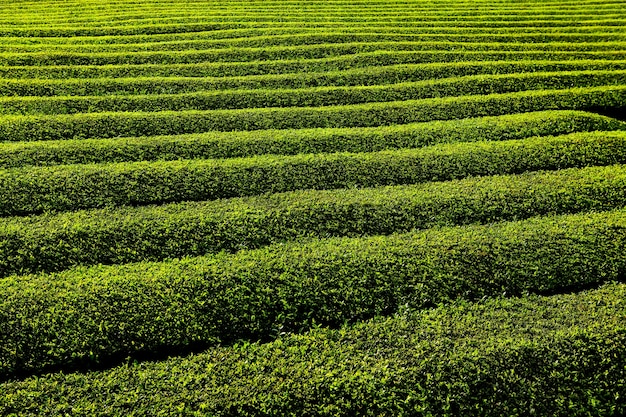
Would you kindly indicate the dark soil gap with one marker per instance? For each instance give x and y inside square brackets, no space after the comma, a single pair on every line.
[618,113]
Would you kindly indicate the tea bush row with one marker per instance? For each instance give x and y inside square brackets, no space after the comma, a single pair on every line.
[317,96]
[271,32]
[103,125]
[295,141]
[299,68]
[31,190]
[316,52]
[350,77]
[79,318]
[560,356]
[427,40]
[68,30]
[121,235]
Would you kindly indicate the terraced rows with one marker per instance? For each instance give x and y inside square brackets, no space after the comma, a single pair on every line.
[312,208]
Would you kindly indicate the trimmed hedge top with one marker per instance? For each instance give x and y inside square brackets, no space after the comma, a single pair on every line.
[559,356]
[225,178]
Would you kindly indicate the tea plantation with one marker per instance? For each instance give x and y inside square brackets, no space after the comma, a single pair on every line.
[312,208]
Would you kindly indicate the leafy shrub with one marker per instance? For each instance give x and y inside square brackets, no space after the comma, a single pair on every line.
[294,141]
[70,187]
[119,235]
[77,318]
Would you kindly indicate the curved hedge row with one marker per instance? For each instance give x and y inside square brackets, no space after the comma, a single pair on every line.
[305,38]
[192,27]
[445,11]
[70,31]
[295,141]
[559,356]
[348,18]
[288,68]
[588,13]
[351,77]
[57,242]
[312,97]
[261,19]
[269,31]
[418,18]
[319,51]
[77,318]
[69,187]
[609,24]
[106,125]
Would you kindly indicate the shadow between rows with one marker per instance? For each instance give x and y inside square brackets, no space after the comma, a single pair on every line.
[161,353]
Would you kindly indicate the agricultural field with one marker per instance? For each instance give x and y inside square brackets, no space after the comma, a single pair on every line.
[312,208]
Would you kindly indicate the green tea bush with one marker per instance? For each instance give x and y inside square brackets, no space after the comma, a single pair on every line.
[120,235]
[426,40]
[295,141]
[327,205]
[153,80]
[559,356]
[321,51]
[80,317]
[90,125]
[295,70]
[318,96]
[33,190]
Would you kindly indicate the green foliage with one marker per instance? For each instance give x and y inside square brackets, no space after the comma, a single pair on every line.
[106,125]
[393,38]
[80,317]
[317,96]
[316,51]
[360,69]
[559,356]
[114,236]
[69,187]
[359,185]
[294,141]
